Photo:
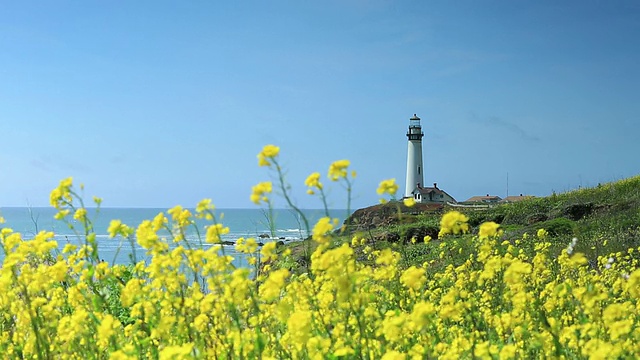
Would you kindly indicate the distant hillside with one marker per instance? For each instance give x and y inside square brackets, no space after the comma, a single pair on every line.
[610,200]
[608,211]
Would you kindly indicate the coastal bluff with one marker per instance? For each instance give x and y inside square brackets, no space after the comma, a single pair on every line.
[387,214]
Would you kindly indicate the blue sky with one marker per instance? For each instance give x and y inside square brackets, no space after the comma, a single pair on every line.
[155,103]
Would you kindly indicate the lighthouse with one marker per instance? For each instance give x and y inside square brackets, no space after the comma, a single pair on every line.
[414,156]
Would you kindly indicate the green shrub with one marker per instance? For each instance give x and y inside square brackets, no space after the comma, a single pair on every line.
[558,226]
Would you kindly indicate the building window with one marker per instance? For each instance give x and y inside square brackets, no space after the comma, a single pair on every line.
[418,170]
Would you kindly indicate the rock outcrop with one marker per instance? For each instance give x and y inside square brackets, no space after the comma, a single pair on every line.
[381,215]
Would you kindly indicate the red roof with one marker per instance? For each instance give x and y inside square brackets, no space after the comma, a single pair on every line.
[427,190]
[431,190]
[484,198]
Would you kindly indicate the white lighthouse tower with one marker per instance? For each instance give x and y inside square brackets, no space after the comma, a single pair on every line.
[414,156]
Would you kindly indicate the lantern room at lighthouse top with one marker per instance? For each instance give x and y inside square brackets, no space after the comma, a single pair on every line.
[415,130]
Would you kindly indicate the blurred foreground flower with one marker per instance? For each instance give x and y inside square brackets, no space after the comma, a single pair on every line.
[453,222]
[388,186]
[489,229]
[258,192]
[409,202]
[268,152]
[313,181]
[338,169]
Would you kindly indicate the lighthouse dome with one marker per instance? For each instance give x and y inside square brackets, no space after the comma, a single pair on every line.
[415,117]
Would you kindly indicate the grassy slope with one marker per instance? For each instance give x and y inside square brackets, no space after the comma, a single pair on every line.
[605,219]
[607,212]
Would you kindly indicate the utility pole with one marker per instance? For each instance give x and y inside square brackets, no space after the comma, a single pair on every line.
[507,184]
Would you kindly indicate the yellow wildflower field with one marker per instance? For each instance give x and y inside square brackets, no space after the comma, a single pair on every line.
[192,303]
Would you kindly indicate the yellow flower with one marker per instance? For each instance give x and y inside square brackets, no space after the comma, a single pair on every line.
[180,216]
[268,251]
[388,186]
[116,227]
[176,352]
[106,330]
[159,222]
[422,311]
[599,349]
[271,288]
[61,214]
[453,222]
[338,169]
[355,241]
[321,229]
[542,233]
[633,284]
[258,192]
[409,202]
[618,319]
[147,237]
[201,322]
[215,232]
[299,328]
[66,183]
[489,229]
[80,214]
[578,260]
[204,205]
[344,351]
[516,272]
[413,278]
[393,355]
[250,245]
[268,152]
[62,193]
[392,325]
[313,181]
[508,352]
[69,248]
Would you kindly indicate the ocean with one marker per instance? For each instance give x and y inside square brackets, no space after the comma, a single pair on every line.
[241,223]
